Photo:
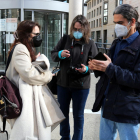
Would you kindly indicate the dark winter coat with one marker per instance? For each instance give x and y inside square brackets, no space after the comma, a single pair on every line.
[122,102]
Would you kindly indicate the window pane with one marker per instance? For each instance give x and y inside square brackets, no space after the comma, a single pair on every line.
[105,5]
[105,20]
[65,24]
[9,19]
[28,15]
[92,35]
[105,12]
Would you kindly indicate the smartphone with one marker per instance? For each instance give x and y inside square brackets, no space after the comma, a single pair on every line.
[55,71]
[100,56]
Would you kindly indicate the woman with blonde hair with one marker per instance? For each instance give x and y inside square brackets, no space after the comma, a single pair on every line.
[73,80]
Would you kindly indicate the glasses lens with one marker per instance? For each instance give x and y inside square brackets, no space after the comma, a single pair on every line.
[36,34]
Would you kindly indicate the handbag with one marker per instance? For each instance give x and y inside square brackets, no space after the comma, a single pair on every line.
[53,83]
[10,100]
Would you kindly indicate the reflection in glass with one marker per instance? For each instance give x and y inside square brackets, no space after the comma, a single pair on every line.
[67,1]
[65,24]
[105,12]
[40,19]
[9,19]
[105,20]
[28,15]
[105,5]
[54,32]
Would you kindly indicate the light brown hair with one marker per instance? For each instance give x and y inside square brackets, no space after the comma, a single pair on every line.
[85,27]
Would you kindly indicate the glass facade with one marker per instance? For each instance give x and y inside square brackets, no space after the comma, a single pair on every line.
[53,26]
[9,19]
[63,0]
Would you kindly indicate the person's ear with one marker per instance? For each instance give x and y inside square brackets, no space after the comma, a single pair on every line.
[133,22]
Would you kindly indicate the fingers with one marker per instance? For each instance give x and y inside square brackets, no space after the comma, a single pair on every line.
[81,70]
[65,53]
[38,55]
[107,57]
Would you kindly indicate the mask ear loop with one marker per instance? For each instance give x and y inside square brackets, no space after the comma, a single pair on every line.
[16,35]
[129,28]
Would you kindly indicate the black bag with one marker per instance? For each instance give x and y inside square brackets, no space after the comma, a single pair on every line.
[53,83]
[10,100]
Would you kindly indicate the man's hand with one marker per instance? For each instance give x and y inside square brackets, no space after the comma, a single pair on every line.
[99,65]
[65,53]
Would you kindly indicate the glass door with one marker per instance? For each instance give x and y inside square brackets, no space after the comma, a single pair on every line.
[9,19]
[54,33]
[40,19]
[53,26]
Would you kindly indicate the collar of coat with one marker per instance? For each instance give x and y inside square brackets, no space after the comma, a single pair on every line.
[131,49]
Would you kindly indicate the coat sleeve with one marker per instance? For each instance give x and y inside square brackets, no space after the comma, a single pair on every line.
[124,76]
[27,72]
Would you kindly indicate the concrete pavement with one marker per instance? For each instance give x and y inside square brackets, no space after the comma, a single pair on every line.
[92,120]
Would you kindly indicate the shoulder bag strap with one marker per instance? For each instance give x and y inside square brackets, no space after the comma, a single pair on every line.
[9,58]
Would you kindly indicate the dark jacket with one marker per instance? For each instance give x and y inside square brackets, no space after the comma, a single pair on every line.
[69,79]
[122,102]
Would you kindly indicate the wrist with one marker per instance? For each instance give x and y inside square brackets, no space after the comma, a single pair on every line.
[60,56]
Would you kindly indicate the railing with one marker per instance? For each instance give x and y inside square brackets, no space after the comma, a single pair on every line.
[103,47]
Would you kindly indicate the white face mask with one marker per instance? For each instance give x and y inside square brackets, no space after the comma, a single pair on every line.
[121,30]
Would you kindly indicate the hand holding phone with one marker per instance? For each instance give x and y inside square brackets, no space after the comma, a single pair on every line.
[100,56]
[55,71]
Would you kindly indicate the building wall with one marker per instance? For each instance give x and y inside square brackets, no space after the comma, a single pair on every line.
[109,26]
[134,3]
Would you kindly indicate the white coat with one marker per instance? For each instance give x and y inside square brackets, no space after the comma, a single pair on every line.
[40,111]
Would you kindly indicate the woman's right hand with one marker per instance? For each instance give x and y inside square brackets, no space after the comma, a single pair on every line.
[65,53]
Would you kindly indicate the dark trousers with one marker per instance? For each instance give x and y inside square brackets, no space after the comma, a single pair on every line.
[79,98]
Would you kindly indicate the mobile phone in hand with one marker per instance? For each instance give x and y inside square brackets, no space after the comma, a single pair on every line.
[100,56]
[55,71]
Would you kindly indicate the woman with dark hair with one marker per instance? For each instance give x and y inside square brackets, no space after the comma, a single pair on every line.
[73,79]
[118,89]
[39,110]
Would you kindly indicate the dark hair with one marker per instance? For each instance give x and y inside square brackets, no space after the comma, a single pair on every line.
[128,12]
[85,26]
[22,35]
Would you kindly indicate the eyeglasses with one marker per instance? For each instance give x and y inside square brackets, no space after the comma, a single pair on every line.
[36,34]
[80,30]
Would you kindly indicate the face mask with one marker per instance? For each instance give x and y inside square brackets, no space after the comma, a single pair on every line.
[121,30]
[37,40]
[77,34]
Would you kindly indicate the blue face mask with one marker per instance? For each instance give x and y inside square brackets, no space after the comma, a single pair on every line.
[77,34]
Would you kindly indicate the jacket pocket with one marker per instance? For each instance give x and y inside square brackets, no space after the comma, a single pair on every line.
[75,81]
[127,104]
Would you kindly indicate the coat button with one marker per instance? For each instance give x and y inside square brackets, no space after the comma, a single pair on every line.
[106,99]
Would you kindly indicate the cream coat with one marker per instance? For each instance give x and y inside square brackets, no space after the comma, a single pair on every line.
[40,111]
